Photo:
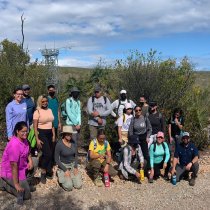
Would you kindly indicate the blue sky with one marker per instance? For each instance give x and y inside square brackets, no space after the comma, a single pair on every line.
[108,29]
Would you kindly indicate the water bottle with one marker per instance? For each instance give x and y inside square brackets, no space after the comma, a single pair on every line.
[106,180]
[173,179]
[142,174]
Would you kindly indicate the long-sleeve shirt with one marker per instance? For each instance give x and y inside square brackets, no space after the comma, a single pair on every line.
[73,110]
[119,105]
[140,126]
[66,155]
[15,112]
[30,108]
[157,156]
[101,106]
[125,165]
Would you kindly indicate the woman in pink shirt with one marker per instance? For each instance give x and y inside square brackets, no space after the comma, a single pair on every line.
[16,161]
[45,135]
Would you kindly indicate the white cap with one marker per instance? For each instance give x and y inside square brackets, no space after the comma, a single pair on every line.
[123,91]
[128,106]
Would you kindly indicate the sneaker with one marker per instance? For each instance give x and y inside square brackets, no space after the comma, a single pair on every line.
[49,175]
[192,182]
[150,180]
[98,182]
[43,178]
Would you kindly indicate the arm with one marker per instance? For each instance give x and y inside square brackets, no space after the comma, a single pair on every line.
[169,133]
[15,177]
[114,106]
[151,155]
[108,109]
[76,157]
[90,106]
[162,122]
[149,127]
[9,121]
[120,123]
[30,162]
[141,157]
[53,134]
[57,157]
[167,157]
[126,161]
[35,124]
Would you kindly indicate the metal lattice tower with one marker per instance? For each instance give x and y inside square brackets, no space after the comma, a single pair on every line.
[51,62]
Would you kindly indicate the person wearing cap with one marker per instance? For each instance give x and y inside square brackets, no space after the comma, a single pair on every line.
[143,104]
[159,157]
[185,160]
[157,121]
[29,101]
[133,158]
[98,108]
[73,111]
[53,104]
[16,111]
[124,123]
[119,104]
[66,158]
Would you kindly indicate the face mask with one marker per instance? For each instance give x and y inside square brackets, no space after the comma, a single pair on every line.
[123,96]
[75,95]
[141,103]
[51,94]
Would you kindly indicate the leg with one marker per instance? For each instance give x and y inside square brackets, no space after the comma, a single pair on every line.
[180,171]
[145,151]
[94,166]
[157,168]
[194,169]
[77,180]
[112,171]
[93,131]
[31,173]
[67,184]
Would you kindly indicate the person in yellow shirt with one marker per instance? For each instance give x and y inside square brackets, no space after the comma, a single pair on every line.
[100,158]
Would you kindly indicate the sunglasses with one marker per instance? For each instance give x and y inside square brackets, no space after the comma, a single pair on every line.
[159,137]
[138,110]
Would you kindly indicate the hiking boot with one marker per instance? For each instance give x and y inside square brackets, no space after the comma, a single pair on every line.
[32,188]
[150,180]
[49,175]
[98,182]
[43,178]
[192,182]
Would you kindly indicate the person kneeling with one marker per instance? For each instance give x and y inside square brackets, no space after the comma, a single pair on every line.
[66,157]
[159,157]
[16,163]
[132,159]
[100,158]
[187,155]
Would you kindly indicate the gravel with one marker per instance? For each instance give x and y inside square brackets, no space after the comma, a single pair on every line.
[121,195]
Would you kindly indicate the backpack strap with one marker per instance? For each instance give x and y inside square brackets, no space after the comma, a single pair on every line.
[105,99]
[95,143]
[123,117]
[154,148]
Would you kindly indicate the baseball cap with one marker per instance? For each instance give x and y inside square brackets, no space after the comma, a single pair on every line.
[185,134]
[123,91]
[160,134]
[128,106]
[74,89]
[25,87]
[97,89]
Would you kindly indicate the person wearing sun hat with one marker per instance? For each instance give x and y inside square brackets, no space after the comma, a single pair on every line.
[159,157]
[66,157]
[185,160]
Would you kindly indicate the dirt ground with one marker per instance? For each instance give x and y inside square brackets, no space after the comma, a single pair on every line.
[121,194]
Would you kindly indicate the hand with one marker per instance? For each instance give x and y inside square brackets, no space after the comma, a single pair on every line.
[75,171]
[77,127]
[103,157]
[188,166]
[100,121]
[148,140]
[137,175]
[164,165]
[53,138]
[176,121]
[171,140]
[95,114]
[19,188]
[173,171]
[67,173]
[30,165]
[120,141]
[151,173]
[106,168]
[39,143]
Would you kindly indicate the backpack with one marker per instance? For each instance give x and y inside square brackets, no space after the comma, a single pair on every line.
[128,101]
[93,99]
[32,138]
[120,153]
[95,146]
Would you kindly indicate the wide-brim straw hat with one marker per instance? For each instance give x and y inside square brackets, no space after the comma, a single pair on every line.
[68,129]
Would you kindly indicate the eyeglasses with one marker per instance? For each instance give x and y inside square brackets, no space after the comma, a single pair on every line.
[19,94]
[24,132]
[138,110]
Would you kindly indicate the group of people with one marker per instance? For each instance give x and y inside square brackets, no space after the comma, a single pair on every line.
[141,137]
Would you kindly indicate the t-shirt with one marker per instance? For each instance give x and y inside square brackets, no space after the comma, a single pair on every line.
[124,121]
[53,104]
[175,130]
[157,122]
[45,118]
[100,148]
[15,151]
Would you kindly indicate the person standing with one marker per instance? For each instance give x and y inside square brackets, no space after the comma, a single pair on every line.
[98,108]
[157,121]
[119,104]
[143,104]
[185,160]
[73,111]
[16,111]
[29,101]
[53,104]
[45,136]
